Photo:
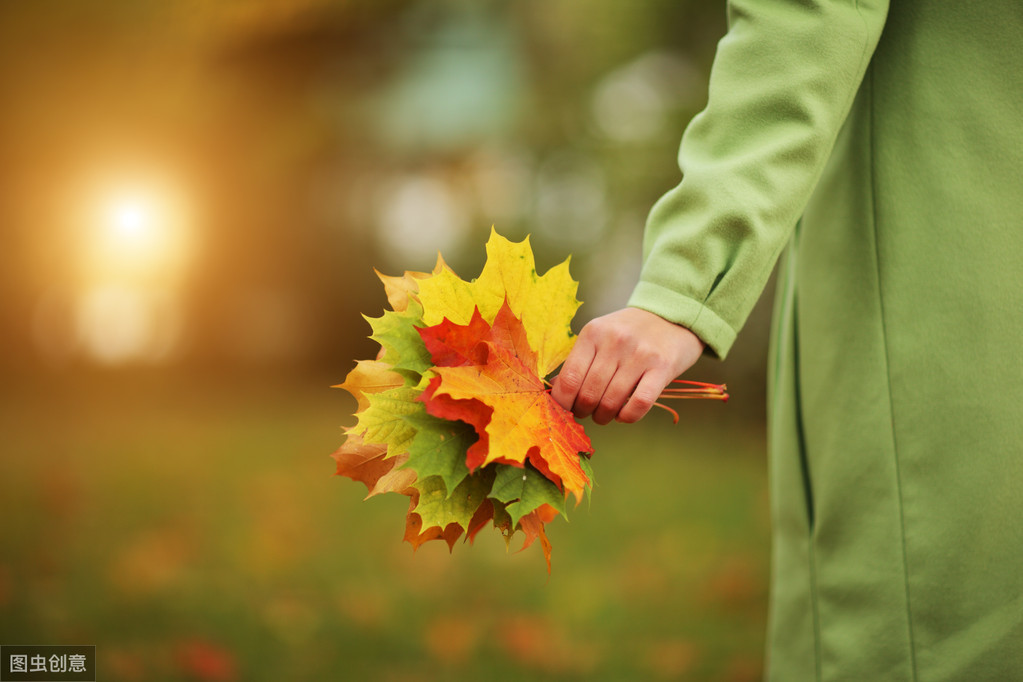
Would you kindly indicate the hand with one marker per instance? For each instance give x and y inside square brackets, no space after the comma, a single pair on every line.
[621,363]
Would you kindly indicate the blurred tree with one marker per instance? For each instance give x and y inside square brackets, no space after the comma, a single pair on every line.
[317,139]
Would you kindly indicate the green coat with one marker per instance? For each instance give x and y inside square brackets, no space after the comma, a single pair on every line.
[887,143]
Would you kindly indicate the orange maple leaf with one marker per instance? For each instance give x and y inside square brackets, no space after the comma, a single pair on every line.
[490,382]
[531,525]
[368,463]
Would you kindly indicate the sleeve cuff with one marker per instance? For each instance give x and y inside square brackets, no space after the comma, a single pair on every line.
[687,312]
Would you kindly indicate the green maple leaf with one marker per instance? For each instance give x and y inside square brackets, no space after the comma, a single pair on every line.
[523,490]
[503,520]
[437,508]
[587,467]
[390,419]
[403,348]
[438,449]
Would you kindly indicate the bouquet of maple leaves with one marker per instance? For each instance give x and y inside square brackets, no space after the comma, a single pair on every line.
[456,413]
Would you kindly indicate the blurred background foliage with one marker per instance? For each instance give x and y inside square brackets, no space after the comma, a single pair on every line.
[193,197]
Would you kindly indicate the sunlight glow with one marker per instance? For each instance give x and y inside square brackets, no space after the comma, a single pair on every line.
[139,236]
[133,260]
[131,219]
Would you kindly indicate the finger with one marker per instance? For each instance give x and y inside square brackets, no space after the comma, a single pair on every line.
[570,379]
[594,386]
[644,396]
[616,395]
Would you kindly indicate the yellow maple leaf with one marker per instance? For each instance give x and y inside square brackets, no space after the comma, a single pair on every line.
[368,377]
[399,289]
[545,303]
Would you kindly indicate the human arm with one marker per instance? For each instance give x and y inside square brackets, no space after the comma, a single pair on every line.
[783,80]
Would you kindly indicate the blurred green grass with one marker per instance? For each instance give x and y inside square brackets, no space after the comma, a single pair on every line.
[191,528]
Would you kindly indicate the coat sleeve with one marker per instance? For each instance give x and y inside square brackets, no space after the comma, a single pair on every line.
[783,81]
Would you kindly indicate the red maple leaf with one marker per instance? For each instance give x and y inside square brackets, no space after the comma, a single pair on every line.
[485,375]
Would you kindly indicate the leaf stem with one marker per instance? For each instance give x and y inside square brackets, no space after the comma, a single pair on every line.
[674,414]
[700,391]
